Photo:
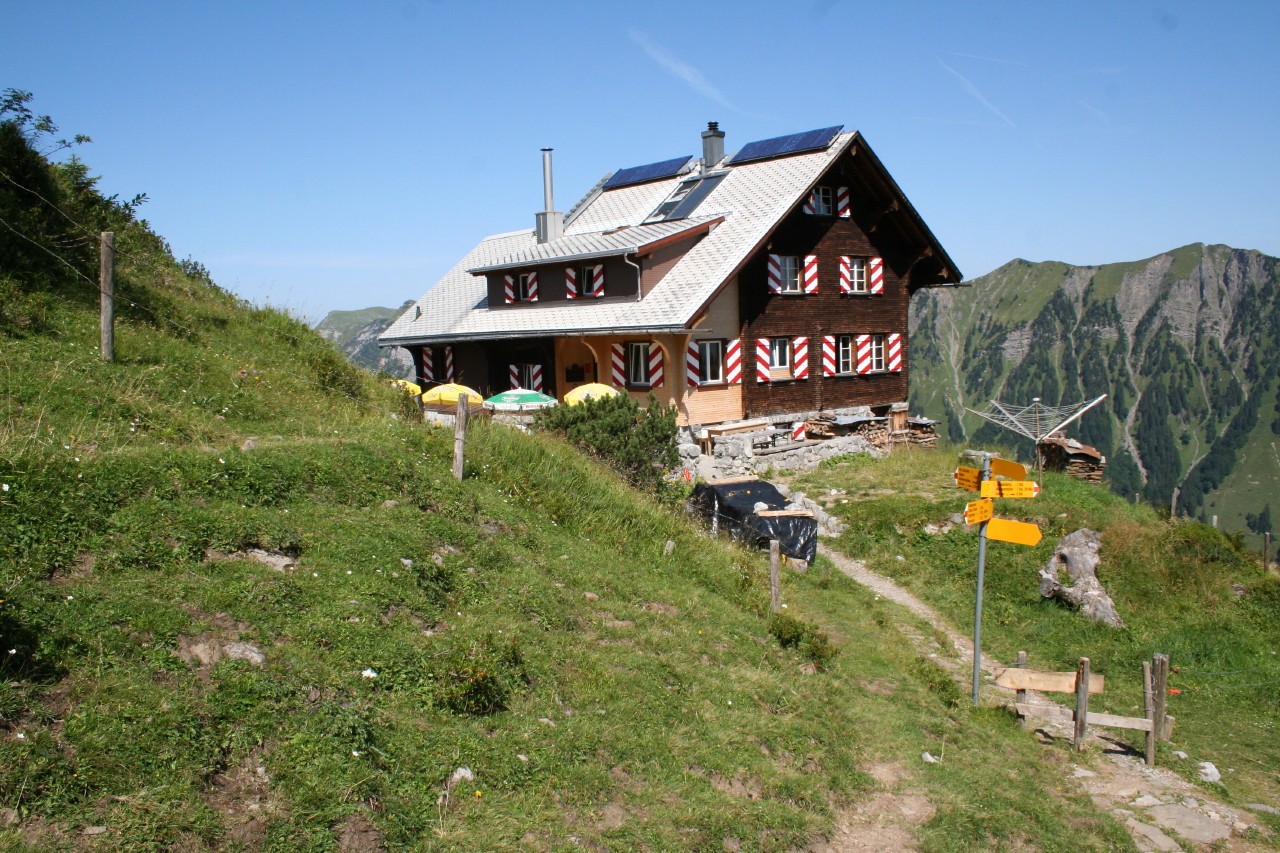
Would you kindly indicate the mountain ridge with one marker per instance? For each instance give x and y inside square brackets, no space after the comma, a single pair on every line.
[1177,341]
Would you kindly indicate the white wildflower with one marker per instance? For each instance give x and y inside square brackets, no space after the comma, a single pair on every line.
[369,672]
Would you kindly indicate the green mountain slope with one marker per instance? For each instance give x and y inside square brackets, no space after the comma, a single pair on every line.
[1181,342]
[356,334]
[513,661]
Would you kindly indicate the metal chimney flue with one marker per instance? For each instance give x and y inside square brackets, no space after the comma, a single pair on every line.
[549,223]
[712,145]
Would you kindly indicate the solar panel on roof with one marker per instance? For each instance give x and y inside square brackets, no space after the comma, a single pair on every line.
[810,140]
[651,172]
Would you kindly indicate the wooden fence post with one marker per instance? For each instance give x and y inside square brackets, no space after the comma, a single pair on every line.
[1148,701]
[106,296]
[1160,689]
[775,576]
[460,435]
[1020,696]
[1082,703]
[1266,550]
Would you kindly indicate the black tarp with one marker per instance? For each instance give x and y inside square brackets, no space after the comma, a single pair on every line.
[732,506]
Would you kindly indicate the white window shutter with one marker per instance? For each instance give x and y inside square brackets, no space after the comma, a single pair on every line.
[509,288]
[762,360]
[875,275]
[428,364]
[846,274]
[570,282]
[514,371]
[828,355]
[448,364]
[597,280]
[893,354]
[656,363]
[800,358]
[775,274]
[693,365]
[533,286]
[842,202]
[733,362]
[619,366]
[809,207]
[863,353]
[810,273]
[536,380]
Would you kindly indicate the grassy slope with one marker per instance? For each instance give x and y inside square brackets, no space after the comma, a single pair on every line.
[658,711]
[1182,588]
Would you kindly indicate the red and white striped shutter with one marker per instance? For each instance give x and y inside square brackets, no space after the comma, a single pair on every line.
[800,358]
[798,430]
[536,379]
[842,202]
[570,282]
[448,364]
[514,371]
[810,273]
[808,203]
[762,359]
[894,354]
[733,362]
[846,274]
[656,362]
[876,282]
[828,355]
[428,364]
[619,366]
[863,353]
[533,287]
[775,274]
[509,288]
[597,280]
[693,365]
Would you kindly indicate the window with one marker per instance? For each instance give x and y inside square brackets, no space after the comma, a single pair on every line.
[779,353]
[844,354]
[821,201]
[637,364]
[877,353]
[857,275]
[789,266]
[527,287]
[711,362]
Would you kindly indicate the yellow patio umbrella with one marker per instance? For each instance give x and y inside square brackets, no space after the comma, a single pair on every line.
[590,391]
[444,398]
[406,386]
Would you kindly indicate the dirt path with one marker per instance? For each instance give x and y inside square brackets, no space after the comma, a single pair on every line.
[1155,805]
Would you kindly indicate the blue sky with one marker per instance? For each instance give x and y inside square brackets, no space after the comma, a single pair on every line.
[336,155]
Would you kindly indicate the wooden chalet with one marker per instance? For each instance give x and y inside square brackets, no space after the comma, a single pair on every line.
[773,282]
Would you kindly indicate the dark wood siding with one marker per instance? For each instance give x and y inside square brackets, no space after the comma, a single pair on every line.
[827,312]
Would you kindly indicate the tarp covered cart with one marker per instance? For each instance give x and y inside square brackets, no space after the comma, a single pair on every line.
[734,507]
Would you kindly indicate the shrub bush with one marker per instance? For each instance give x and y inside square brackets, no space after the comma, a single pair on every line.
[804,636]
[478,678]
[640,442]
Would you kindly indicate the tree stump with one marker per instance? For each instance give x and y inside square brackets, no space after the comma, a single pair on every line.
[1077,558]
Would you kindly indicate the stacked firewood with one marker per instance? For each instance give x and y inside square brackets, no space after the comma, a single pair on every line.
[1072,458]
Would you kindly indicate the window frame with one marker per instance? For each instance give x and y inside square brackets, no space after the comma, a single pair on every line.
[846,347]
[705,347]
[858,275]
[796,262]
[878,347]
[780,347]
[823,201]
[522,286]
[643,348]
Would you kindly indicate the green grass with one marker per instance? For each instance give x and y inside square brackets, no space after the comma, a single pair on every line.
[1183,589]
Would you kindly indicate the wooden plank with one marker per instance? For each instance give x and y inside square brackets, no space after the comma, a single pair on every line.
[1149,705]
[784,513]
[1049,682]
[1082,704]
[729,481]
[1047,712]
[1066,715]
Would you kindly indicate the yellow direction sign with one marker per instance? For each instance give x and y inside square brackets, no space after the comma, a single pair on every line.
[976,512]
[1010,488]
[968,478]
[1005,468]
[1017,532]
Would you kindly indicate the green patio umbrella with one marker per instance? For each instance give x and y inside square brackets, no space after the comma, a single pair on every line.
[519,400]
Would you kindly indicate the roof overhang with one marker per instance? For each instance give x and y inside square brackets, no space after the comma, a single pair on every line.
[477,337]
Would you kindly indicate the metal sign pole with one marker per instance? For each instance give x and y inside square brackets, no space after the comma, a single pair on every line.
[977,607]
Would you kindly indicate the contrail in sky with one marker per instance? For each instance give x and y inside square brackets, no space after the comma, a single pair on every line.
[978,96]
[677,67]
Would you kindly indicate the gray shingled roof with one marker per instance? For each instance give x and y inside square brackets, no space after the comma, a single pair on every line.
[752,198]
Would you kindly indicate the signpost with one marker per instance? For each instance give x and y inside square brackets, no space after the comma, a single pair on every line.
[981,512]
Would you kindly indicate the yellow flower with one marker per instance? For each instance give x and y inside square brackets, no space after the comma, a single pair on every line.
[478,794]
